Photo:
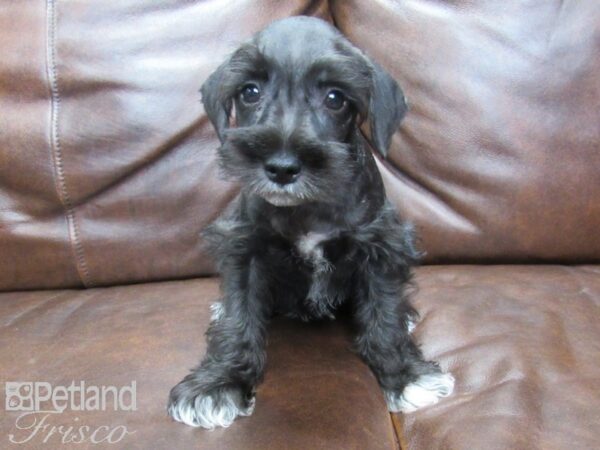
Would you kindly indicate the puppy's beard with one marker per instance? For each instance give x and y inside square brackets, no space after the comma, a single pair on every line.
[277,195]
[277,199]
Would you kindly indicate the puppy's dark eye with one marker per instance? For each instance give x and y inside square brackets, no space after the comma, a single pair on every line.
[250,93]
[335,100]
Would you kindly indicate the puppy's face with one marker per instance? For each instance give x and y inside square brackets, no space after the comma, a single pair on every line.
[297,92]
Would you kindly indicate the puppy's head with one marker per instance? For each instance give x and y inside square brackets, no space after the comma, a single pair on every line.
[286,107]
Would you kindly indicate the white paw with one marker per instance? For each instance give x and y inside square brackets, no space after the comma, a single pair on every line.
[216,409]
[425,391]
[217,310]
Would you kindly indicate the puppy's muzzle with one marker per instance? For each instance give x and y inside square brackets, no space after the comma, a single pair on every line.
[283,168]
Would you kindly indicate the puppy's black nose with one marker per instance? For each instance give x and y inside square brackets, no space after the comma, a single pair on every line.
[283,169]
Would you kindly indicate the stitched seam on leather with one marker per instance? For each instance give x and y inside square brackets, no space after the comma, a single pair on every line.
[400,438]
[56,149]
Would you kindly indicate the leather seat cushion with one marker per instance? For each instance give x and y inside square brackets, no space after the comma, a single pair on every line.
[316,393]
[522,342]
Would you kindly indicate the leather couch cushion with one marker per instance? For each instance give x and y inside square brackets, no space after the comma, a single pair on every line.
[316,395]
[499,156]
[522,342]
[107,162]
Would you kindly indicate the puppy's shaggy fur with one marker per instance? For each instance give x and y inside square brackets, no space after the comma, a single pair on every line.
[312,228]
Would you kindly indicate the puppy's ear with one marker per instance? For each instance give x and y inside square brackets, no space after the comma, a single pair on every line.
[387,107]
[217,100]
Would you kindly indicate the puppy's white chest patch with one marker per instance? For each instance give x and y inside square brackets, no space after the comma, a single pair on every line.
[310,248]
[319,300]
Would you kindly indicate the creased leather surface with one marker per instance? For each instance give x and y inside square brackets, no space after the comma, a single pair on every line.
[522,342]
[107,162]
[524,345]
[34,234]
[107,169]
[499,156]
[316,395]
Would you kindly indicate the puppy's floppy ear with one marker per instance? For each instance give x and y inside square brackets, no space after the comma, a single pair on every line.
[217,100]
[387,107]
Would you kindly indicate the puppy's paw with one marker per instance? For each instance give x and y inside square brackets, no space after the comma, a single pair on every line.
[424,391]
[208,409]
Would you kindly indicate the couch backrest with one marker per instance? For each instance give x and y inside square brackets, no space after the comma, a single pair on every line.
[499,157]
[107,161]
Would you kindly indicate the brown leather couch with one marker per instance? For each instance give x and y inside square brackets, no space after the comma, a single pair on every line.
[108,173]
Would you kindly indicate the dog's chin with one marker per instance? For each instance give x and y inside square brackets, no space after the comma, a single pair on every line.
[293,194]
[282,199]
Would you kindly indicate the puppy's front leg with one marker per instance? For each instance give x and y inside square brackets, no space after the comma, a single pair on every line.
[222,386]
[384,316]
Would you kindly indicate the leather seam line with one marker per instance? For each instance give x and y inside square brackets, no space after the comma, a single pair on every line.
[400,440]
[56,149]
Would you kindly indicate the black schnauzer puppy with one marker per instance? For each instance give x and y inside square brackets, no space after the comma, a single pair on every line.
[312,228]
